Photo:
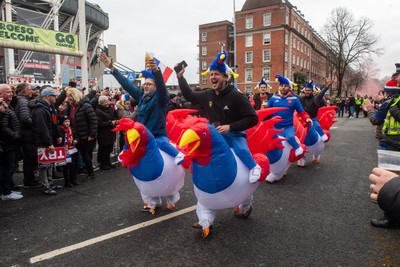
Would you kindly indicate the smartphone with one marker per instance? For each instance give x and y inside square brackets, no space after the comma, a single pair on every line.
[178,68]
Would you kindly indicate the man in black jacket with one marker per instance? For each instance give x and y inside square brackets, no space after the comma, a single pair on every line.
[24,95]
[9,135]
[385,190]
[45,133]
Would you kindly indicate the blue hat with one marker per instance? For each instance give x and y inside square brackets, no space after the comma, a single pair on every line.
[219,62]
[147,74]
[49,91]
[220,65]
[263,81]
[310,84]
[282,80]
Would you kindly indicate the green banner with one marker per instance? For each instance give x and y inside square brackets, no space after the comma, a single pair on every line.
[12,32]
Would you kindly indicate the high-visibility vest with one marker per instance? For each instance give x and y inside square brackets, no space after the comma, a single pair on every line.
[358,101]
[390,125]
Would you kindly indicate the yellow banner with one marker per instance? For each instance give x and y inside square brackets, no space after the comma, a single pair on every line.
[12,32]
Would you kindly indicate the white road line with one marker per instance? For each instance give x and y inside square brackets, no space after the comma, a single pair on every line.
[98,239]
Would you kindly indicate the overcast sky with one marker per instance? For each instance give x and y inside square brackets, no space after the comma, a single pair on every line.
[170,28]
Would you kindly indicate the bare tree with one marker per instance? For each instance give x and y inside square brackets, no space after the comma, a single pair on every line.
[350,41]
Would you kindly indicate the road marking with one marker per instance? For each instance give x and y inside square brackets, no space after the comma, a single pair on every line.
[98,239]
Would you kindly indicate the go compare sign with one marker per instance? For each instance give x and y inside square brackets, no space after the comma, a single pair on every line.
[17,33]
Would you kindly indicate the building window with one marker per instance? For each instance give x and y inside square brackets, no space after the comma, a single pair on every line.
[285,72]
[267,73]
[249,23]
[266,55]
[249,40]
[248,89]
[267,38]
[293,58]
[204,36]
[249,57]
[204,50]
[286,55]
[204,65]
[267,19]
[295,23]
[204,79]
[286,39]
[249,75]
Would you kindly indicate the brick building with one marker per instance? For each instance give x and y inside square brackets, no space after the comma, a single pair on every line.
[272,37]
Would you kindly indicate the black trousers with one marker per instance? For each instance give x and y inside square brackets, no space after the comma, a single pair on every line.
[70,170]
[29,155]
[103,155]
[84,147]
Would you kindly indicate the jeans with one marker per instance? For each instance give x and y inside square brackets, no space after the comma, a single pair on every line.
[237,141]
[7,168]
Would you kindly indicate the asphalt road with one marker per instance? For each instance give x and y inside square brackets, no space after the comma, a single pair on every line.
[315,216]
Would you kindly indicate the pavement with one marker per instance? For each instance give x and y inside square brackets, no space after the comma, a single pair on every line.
[315,216]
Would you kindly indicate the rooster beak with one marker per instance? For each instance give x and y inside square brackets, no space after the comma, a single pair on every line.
[133,137]
[190,137]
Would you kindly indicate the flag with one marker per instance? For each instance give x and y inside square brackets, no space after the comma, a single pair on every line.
[165,70]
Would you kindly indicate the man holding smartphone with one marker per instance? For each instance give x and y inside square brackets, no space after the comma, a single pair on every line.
[230,112]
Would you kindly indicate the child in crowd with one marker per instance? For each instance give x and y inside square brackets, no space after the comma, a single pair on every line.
[69,142]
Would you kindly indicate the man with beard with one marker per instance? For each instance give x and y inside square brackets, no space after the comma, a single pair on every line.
[311,103]
[286,99]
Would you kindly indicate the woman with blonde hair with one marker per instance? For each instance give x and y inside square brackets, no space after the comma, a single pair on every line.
[84,123]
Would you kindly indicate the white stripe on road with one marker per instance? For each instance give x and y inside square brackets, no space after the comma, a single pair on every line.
[98,239]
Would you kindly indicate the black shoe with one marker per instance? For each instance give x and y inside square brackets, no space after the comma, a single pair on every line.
[32,185]
[90,177]
[69,185]
[384,223]
[105,167]
[74,182]
[147,208]
[82,170]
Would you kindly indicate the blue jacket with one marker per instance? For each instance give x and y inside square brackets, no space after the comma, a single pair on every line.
[152,107]
[289,101]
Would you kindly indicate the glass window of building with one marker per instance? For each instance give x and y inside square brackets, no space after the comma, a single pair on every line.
[204,79]
[267,73]
[266,55]
[249,22]
[267,19]
[267,38]
[249,75]
[249,40]
[249,57]
[204,36]
[204,50]
[204,65]
[286,55]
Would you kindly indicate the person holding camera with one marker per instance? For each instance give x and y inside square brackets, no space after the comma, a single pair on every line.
[10,133]
[385,190]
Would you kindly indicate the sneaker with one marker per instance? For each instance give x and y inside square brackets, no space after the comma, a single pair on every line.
[324,138]
[255,174]
[301,163]
[12,196]
[298,151]
[49,191]
[16,192]
[56,186]
[244,215]
[179,158]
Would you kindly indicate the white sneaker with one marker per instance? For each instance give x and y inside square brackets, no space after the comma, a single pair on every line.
[12,196]
[255,174]
[298,151]
[324,138]
[16,192]
[301,162]
[179,158]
